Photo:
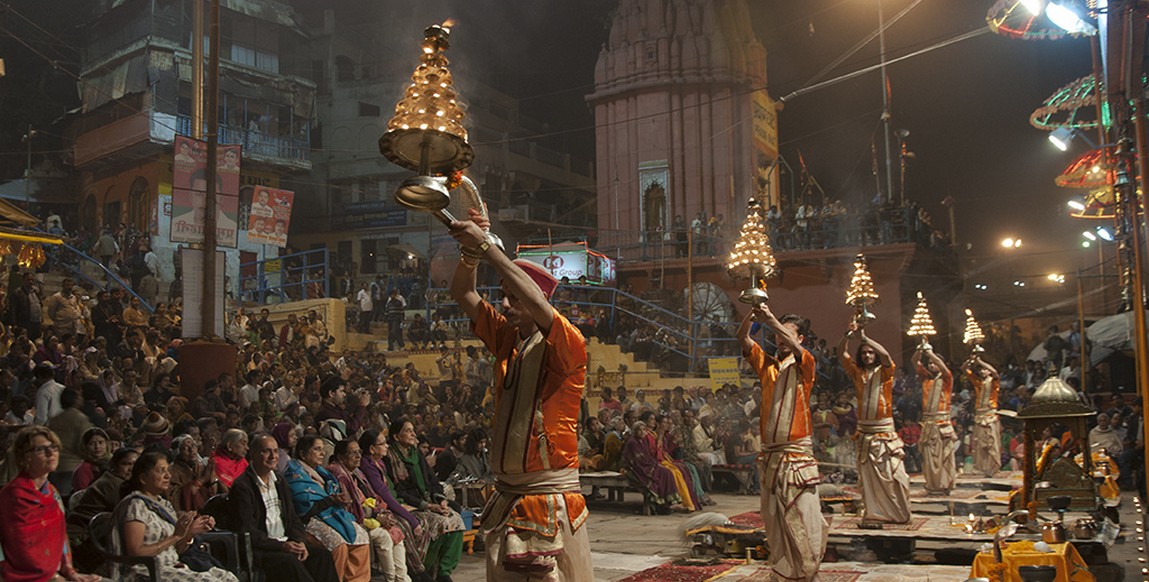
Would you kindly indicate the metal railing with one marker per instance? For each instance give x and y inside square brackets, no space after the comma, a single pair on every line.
[74,267]
[256,142]
[676,346]
[287,277]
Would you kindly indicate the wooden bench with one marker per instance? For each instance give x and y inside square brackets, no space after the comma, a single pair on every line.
[616,485]
[742,474]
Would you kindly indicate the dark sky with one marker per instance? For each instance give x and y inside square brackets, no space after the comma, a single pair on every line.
[966,106]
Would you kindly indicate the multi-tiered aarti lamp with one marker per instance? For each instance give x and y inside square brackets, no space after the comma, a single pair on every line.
[752,257]
[973,335]
[922,325]
[861,293]
[426,133]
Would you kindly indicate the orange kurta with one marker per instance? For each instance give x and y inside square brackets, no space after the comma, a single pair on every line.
[875,390]
[535,428]
[786,390]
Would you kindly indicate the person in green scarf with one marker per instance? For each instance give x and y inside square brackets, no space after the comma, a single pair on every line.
[415,484]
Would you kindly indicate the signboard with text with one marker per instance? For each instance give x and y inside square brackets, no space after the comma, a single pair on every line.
[189,187]
[723,371]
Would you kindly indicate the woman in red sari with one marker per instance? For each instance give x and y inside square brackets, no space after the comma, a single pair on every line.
[32,528]
[647,465]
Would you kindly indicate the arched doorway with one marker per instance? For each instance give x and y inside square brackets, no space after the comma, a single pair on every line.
[654,211]
[89,218]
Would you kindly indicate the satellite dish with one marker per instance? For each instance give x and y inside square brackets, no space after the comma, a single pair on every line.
[710,302]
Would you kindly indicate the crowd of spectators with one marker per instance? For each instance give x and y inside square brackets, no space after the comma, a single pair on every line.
[101,379]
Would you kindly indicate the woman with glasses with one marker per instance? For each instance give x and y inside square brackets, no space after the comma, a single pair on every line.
[370,512]
[322,506]
[32,528]
[374,446]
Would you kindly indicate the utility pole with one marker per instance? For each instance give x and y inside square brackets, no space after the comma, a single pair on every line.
[27,139]
[197,69]
[209,218]
[885,105]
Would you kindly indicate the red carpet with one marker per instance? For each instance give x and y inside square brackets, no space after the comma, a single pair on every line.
[748,519]
[671,572]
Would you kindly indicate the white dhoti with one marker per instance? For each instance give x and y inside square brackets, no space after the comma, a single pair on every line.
[987,442]
[882,473]
[522,550]
[938,446]
[796,532]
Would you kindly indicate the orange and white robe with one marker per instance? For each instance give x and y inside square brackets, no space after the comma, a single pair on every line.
[986,437]
[796,532]
[534,522]
[881,454]
[939,442]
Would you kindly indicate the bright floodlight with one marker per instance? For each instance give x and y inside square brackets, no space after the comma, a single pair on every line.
[1104,234]
[1061,137]
[1033,6]
[1076,205]
[1067,15]
[1007,243]
[1056,277]
[1085,244]
[1089,235]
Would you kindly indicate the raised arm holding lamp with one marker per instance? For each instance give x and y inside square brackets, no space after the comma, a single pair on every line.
[534,523]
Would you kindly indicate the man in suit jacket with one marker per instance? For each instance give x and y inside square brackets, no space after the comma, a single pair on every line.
[261,501]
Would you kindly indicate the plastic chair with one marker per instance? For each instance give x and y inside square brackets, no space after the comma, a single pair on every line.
[100,528]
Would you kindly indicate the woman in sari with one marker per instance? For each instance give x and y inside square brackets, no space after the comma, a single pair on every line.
[647,465]
[322,507]
[95,443]
[193,481]
[415,484]
[370,512]
[230,458]
[374,446]
[672,452]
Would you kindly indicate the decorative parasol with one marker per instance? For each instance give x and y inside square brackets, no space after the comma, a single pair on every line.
[1089,170]
[1100,204]
[752,257]
[1073,106]
[1010,18]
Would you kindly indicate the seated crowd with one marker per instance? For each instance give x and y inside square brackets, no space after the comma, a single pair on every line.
[346,465]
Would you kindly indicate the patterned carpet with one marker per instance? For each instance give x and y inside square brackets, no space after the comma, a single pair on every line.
[915,524]
[748,519]
[824,575]
[671,572]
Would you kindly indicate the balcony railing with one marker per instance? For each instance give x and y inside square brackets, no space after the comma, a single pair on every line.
[256,142]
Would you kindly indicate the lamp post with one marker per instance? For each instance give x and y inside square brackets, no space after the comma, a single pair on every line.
[27,139]
[885,104]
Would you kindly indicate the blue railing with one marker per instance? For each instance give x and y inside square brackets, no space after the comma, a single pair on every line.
[288,277]
[74,267]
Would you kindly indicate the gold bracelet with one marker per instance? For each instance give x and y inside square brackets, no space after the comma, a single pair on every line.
[468,262]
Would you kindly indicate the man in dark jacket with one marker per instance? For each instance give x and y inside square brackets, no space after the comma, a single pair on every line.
[278,539]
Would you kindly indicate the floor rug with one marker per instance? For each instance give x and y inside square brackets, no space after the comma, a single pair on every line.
[671,572]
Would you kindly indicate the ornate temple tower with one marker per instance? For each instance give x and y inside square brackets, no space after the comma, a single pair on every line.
[683,121]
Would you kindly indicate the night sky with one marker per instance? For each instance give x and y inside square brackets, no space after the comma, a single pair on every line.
[966,106]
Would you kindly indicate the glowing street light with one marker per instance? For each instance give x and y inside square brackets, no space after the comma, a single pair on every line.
[1104,234]
[1061,137]
[1076,205]
[1067,15]
[1033,6]
[1011,243]
[1056,277]
[1089,235]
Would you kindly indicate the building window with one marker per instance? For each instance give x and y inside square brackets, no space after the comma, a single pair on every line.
[654,211]
[139,203]
[344,69]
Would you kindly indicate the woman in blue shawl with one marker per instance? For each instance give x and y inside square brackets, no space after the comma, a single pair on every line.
[323,507]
